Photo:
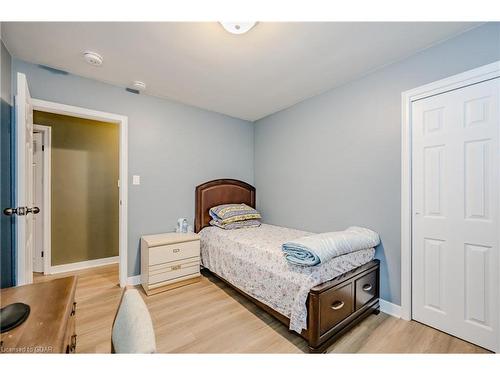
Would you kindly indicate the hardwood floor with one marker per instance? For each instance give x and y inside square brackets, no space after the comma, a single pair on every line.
[210,317]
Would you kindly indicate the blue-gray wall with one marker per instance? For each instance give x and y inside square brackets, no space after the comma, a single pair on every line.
[6,248]
[323,164]
[334,160]
[172,146]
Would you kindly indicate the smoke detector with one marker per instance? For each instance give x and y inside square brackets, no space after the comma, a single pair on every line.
[237,27]
[139,85]
[93,58]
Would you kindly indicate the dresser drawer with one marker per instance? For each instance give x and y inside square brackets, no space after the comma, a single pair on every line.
[335,306]
[174,272]
[170,253]
[366,288]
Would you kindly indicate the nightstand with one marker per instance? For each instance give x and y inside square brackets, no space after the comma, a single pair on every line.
[169,260]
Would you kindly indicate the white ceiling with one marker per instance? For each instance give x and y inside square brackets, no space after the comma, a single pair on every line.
[249,76]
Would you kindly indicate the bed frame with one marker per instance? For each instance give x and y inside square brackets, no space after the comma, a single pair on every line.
[333,307]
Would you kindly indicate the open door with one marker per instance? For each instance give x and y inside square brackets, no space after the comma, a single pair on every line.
[24,210]
[7,260]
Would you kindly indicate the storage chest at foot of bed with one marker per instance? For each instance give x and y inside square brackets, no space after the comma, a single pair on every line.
[337,305]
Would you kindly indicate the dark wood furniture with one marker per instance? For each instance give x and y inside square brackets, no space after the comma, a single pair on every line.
[50,327]
[333,307]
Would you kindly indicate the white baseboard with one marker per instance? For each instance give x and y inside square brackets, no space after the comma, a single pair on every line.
[134,280]
[82,265]
[390,308]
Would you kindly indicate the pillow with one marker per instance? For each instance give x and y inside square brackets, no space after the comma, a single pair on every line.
[230,213]
[236,224]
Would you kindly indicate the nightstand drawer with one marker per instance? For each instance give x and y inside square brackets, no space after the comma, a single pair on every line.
[172,266]
[170,253]
[175,272]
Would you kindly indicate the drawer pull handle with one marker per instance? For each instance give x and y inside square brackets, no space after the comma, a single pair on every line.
[73,311]
[178,267]
[367,287]
[176,250]
[72,348]
[337,305]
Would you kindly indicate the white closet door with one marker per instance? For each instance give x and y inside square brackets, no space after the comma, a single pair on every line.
[455,212]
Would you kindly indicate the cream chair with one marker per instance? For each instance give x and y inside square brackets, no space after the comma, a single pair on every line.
[132,328]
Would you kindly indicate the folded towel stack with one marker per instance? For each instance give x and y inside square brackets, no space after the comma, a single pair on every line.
[319,248]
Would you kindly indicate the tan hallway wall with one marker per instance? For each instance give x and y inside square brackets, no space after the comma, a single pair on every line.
[85,170]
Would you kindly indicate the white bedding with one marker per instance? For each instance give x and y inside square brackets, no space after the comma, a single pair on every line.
[252,260]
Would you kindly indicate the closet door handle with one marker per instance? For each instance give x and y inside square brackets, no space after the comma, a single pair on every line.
[337,305]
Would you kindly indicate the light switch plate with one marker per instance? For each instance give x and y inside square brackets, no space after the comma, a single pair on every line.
[136,179]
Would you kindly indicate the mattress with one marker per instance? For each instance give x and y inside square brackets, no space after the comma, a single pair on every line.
[252,260]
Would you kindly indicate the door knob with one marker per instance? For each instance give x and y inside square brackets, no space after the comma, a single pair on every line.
[10,211]
[21,211]
[33,210]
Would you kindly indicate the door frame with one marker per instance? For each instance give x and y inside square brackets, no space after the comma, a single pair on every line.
[46,132]
[122,122]
[470,77]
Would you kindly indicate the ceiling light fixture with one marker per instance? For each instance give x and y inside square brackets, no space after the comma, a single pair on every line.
[237,27]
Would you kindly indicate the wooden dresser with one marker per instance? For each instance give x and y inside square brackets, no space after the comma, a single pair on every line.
[50,327]
[169,260]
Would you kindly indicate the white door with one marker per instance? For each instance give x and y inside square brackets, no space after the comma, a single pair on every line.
[38,202]
[24,177]
[456,212]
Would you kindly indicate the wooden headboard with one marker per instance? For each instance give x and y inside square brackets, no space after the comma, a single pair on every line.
[217,192]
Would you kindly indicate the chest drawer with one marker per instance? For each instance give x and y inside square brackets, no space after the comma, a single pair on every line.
[335,306]
[366,288]
[171,253]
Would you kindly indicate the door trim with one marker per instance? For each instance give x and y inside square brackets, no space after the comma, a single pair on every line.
[470,77]
[46,132]
[122,122]
[69,267]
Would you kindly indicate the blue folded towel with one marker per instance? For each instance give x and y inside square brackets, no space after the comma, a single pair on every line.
[319,248]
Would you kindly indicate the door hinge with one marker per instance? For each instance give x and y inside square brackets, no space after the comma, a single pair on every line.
[42,254]
[43,147]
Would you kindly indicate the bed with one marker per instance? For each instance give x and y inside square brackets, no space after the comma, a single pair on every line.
[320,303]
